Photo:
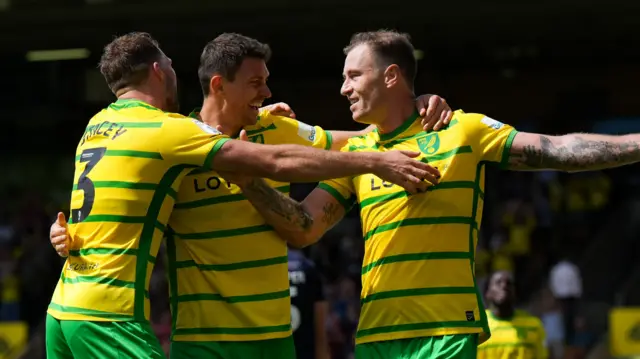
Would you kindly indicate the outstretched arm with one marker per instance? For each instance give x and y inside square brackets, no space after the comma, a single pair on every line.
[572,153]
[300,224]
[293,163]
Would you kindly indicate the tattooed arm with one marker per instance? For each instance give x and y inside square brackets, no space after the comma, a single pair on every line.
[573,152]
[300,224]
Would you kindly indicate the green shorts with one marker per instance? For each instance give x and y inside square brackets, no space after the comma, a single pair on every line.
[256,349]
[79,339]
[443,347]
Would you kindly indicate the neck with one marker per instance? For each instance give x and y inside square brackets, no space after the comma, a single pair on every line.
[144,96]
[502,311]
[212,113]
[397,112]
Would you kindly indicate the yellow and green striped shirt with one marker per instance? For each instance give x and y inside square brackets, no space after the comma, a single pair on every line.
[130,162]
[521,337]
[418,271]
[227,268]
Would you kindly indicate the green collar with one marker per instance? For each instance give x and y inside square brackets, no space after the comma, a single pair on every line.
[195,113]
[405,125]
[124,103]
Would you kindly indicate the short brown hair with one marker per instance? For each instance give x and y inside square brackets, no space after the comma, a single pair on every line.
[224,55]
[126,60]
[391,47]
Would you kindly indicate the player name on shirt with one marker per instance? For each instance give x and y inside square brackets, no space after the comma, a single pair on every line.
[105,129]
[211,183]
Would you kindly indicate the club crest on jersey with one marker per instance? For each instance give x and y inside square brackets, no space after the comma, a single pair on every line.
[206,128]
[307,132]
[429,144]
[496,125]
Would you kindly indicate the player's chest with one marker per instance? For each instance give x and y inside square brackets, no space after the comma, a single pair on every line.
[514,333]
[447,151]
[214,188]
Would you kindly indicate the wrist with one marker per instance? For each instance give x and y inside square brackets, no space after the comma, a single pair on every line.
[245,182]
[371,162]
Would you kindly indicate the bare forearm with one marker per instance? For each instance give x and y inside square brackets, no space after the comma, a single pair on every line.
[302,164]
[292,163]
[574,152]
[300,224]
[286,215]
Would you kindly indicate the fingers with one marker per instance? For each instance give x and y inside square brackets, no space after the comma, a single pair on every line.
[410,186]
[434,104]
[413,187]
[243,136]
[281,109]
[426,108]
[61,220]
[62,250]
[411,154]
[427,124]
[431,177]
[422,104]
[444,120]
[438,106]
[427,173]
[437,113]
[59,239]
[57,231]
[433,173]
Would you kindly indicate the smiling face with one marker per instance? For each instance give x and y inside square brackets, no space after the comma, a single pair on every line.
[245,94]
[364,84]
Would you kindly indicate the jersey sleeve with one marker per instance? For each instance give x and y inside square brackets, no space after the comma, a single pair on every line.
[186,141]
[491,138]
[299,133]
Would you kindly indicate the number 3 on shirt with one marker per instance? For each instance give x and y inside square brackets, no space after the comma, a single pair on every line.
[92,156]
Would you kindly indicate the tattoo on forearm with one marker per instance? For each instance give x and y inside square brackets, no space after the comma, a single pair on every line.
[575,155]
[330,213]
[278,203]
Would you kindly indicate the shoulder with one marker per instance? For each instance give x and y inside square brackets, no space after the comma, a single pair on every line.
[181,124]
[475,120]
[528,317]
[266,119]
[362,142]
[170,119]
[294,130]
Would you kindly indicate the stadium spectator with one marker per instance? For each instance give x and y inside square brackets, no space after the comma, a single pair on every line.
[565,282]
[309,308]
[551,317]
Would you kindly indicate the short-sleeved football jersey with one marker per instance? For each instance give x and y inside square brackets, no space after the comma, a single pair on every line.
[228,268]
[520,337]
[129,164]
[418,271]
